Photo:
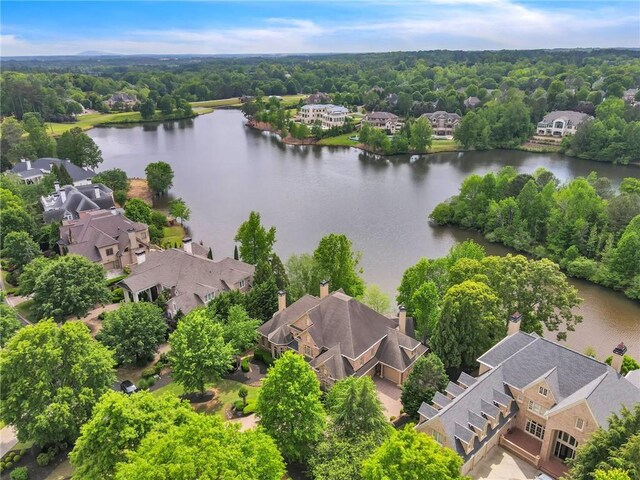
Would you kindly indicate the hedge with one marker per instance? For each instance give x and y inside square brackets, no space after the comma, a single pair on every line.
[245,364]
[263,356]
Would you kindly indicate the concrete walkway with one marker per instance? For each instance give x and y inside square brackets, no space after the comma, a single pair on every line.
[502,465]
[247,422]
[389,394]
[8,439]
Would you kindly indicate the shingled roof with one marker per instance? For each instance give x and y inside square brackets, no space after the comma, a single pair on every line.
[42,166]
[71,200]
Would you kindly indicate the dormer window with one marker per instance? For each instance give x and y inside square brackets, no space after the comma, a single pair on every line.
[241,284]
[579,423]
[543,391]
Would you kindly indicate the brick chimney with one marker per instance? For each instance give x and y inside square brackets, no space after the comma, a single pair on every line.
[56,185]
[402,320]
[514,323]
[96,191]
[186,244]
[113,211]
[618,354]
[140,256]
[282,300]
[324,288]
[133,241]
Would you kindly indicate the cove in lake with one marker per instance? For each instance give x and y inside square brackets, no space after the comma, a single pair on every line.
[223,170]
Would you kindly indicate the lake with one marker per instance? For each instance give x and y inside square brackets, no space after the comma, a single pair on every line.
[223,170]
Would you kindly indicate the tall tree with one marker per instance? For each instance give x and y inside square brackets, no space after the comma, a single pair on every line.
[42,144]
[301,275]
[69,285]
[376,299]
[336,262]
[115,178]
[256,242]
[19,249]
[77,146]
[117,426]
[239,330]
[409,455]
[67,372]
[178,209]
[204,447]
[427,377]
[159,177]
[133,331]
[295,420]
[9,322]
[421,134]
[198,352]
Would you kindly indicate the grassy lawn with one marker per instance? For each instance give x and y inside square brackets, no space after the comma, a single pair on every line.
[235,101]
[26,310]
[340,140]
[227,393]
[444,146]
[172,235]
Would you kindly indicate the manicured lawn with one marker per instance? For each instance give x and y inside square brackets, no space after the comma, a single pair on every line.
[235,101]
[227,393]
[26,310]
[340,140]
[172,235]
[444,146]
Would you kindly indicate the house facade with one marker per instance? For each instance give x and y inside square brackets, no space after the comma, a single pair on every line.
[443,123]
[68,202]
[189,279]
[123,98]
[341,337]
[629,96]
[561,123]
[385,120]
[328,115]
[104,237]
[536,398]
[33,171]
[317,98]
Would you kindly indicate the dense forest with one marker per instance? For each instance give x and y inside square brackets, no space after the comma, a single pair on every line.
[515,88]
[584,225]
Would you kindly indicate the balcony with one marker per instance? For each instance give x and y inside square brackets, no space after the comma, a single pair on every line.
[522,445]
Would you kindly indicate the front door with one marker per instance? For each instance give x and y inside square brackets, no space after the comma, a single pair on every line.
[378,370]
[565,447]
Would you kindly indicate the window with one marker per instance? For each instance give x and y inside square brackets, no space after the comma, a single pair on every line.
[438,437]
[579,423]
[109,252]
[536,408]
[543,391]
[534,428]
[308,351]
[241,283]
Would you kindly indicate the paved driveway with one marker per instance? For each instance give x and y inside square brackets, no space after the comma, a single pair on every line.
[389,395]
[502,465]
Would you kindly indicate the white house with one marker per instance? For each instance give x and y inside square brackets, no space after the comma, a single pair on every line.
[561,123]
[327,114]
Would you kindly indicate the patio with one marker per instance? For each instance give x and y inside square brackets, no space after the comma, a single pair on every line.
[522,444]
[500,464]
[389,395]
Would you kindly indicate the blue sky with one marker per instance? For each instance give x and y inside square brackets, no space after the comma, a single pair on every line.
[202,27]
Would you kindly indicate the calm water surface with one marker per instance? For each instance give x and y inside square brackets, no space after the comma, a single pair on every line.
[224,170]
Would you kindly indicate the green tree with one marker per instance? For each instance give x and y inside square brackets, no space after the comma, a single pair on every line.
[19,249]
[339,458]
[67,372]
[137,210]
[425,307]
[167,104]
[147,109]
[198,352]
[243,393]
[117,426]
[133,331]
[14,218]
[421,134]
[471,322]
[69,285]
[30,273]
[203,447]
[301,274]
[427,377]
[77,146]
[613,474]
[336,262]
[115,178]
[42,144]
[408,455]
[178,209]
[9,323]
[239,330]
[376,299]
[256,242]
[295,420]
[159,177]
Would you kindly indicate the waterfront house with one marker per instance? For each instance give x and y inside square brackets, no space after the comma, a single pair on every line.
[104,237]
[32,171]
[536,398]
[561,122]
[68,202]
[318,98]
[126,99]
[472,102]
[328,115]
[443,123]
[385,120]
[189,280]
[340,336]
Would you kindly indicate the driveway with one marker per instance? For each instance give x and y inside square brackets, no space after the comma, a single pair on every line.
[502,465]
[389,395]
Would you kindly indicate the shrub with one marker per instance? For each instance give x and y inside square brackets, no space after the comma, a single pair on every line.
[8,465]
[163,361]
[20,473]
[117,295]
[23,452]
[264,356]
[17,458]
[245,364]
[146,383]
[1,467]
[120,196]
[149,371]
[238,405]
[249,409]
[115,280]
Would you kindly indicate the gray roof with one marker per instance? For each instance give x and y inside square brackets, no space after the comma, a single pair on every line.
[42,166]
[380,117]
[442,115]
[472,101]
[78,199]
[505,348]
[96,230]
[573,118]
[634,377]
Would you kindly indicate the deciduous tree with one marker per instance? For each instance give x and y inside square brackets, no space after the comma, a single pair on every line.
[19,249]
[159,177]
[301,274]
[77,146]
[256,242]
[137,210]
[336,262]
[376,299]
[9,322]
[427,377]
[178,209]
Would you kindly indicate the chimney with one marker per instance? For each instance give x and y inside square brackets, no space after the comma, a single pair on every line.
[133,241]
[514,323]
[96,191]
[140,256]
[282,300]
[63,195]
[324,288]
[402,320]
[186,244]
[113,211]
[28,164]
[56,185]
[618,354]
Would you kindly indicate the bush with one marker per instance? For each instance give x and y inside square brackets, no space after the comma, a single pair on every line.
[264,356]
[8,465]
[238,405]
[163,361]
[17,458]
[249,409]
[20,473]
[23,452]
[245,364]
[146,383]
[120,196]
[117,295]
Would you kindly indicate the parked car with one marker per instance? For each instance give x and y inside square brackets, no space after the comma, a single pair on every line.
[128,387]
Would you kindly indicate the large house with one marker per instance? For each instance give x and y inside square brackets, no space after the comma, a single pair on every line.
[123,98]
[561,122]
[316,98]
[33,171]
[472,102]
[443,123]
[385,120]
[328,115]
[190,280]
[104,237]
[536,398]
[68,202]
[340,337]
[629,96]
